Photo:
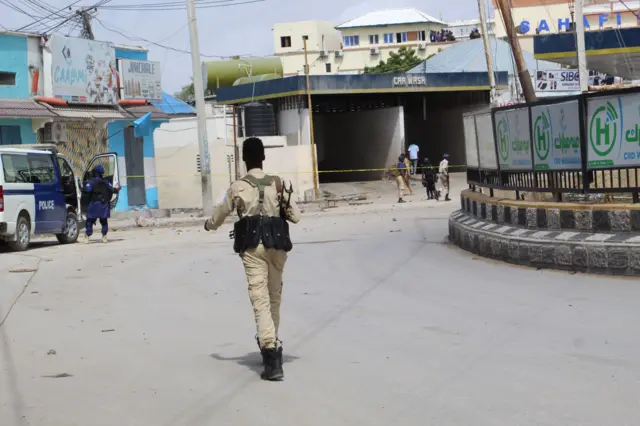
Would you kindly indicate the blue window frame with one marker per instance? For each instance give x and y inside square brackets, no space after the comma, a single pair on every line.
[352,40]
[388,38]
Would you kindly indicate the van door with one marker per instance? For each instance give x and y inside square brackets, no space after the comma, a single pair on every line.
[111,172]
[50,206]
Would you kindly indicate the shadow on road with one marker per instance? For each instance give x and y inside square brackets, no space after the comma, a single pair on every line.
[253,360]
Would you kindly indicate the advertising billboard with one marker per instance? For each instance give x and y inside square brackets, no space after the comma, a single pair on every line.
[613,136]
[470,140]
[140,79]
[512,137]
[556,136]
[486,143]
[83,71]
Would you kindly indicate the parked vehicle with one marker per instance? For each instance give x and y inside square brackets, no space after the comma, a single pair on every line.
[40,194]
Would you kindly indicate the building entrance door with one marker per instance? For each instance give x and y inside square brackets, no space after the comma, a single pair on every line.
[134,161]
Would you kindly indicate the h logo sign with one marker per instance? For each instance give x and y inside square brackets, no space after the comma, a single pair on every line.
[603,129]
[542,136]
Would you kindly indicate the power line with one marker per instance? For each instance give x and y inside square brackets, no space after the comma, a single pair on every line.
[39,21]
[203,4]
[138,38]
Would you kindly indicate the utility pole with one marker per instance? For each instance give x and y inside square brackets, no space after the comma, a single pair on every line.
[580,47]
[313,143]
[198,86]
[523,73]
[487,52]
[85,18]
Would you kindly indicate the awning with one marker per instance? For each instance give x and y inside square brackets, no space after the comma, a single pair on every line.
[140,110]
[85,112]
[23,108]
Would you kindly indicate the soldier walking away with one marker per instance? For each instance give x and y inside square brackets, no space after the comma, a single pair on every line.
[99,191]
[444,176]
[261,238]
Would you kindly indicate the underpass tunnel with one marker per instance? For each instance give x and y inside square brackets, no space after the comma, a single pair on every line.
[356,133]
[433,121]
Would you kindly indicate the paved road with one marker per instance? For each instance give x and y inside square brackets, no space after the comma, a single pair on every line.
[384,324]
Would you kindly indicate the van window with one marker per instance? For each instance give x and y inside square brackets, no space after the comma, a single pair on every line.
[16,168]
[41,168]
[65,169]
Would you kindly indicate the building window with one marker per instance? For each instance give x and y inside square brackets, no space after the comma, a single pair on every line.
[352,40]
[388,38]
[10,135]
[401,37]
[7,78]
[422,35]
[374,39]
[285,41]
[327,67]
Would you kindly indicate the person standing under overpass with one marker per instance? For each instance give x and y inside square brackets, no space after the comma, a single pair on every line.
[413,156]
[443,178]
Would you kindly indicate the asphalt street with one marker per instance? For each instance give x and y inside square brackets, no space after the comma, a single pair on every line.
[383,323]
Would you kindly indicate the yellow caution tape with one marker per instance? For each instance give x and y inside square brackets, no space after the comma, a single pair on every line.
[275,173]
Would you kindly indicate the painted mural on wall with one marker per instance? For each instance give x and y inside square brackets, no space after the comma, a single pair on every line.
[84,71]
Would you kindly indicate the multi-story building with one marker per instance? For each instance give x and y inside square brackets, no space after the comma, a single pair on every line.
[362,42]
[533,17]
[462,29]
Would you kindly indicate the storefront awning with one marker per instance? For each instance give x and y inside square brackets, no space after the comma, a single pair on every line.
[24,108]
[85,112]
[612,51]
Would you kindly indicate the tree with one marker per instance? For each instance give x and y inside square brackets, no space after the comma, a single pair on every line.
[402,61]
[187,93]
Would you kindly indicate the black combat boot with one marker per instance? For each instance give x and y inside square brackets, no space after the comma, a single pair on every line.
[272,364]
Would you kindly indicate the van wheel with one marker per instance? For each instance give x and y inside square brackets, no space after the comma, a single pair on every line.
[71,230]
[23,235]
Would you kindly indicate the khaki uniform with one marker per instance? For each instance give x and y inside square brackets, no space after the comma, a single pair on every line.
[443,179]
[400,180]
[263,267]
[407,175]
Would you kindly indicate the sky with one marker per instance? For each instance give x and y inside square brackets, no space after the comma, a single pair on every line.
[241,29]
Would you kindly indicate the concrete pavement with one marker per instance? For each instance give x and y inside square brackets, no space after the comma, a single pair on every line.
[384,323]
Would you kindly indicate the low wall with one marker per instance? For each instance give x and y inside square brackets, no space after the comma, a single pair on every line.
[552,215]
[593,238]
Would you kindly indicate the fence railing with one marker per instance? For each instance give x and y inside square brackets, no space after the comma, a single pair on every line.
[580,144]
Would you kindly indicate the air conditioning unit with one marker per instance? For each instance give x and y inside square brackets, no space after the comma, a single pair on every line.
[375,51]
[323,53]
[339,53]
[422,46]
[55,132]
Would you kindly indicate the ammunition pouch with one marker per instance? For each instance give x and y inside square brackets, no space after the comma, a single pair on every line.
[272,232]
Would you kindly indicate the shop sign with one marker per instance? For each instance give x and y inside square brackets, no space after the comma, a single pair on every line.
[564,24]
[140,79]
[556,136]
[613,131]
[410,81]
[83,71]
[512,137]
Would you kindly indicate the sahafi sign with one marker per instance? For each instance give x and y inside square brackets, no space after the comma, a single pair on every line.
[556,136]
[613,133]
[512,137]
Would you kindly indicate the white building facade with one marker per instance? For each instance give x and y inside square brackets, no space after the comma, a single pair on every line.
[362,42]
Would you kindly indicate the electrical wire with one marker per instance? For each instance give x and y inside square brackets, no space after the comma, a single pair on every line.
[138,38]
[36,22]
[179,5]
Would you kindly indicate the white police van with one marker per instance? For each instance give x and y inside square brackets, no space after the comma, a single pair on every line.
[40,194]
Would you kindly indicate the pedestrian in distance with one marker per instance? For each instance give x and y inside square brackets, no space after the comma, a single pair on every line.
[429,178]
[400,172]
[413,157]
[443,178]
[261,238]
[99,192]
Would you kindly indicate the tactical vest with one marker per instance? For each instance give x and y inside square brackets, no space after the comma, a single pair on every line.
[271,231]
